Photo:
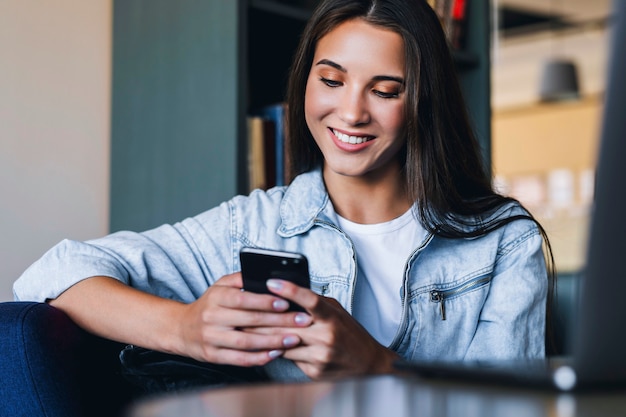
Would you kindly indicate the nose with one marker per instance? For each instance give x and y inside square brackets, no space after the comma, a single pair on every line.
[353,108]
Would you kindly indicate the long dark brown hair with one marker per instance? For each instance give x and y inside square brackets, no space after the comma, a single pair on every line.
[442,165]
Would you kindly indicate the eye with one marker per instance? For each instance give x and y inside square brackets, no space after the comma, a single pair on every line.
[331,83]
[384,94]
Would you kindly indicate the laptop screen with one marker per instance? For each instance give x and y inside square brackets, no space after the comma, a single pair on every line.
[600,342]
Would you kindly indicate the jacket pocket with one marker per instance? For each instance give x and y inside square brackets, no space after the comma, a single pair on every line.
[440,296]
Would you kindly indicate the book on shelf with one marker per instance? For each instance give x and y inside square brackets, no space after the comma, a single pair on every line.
[453,17]
[256,153]
[266,147]
[459,24]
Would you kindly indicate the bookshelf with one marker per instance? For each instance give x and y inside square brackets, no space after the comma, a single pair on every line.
[186,75]
[474,69]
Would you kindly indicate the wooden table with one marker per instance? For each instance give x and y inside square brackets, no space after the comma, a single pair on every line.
[384,396]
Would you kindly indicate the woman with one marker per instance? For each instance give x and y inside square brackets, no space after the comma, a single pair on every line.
[411,252]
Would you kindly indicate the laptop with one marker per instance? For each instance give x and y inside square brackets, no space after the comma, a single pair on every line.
[598,351]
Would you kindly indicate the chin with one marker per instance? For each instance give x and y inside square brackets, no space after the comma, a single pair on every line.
[350,171]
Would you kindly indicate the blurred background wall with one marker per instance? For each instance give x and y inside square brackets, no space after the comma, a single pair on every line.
[544,153]
[54,127]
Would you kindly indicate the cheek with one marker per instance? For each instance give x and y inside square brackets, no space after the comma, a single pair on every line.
[394,117]
[311,112]
[317,102]
[309,100]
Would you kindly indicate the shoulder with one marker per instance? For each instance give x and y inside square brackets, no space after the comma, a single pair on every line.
[288,205]
[504,227]
[258,206]
[516,227]
[304,188]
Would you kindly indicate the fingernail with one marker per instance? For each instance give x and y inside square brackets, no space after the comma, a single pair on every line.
[280,305]
[302,318]
[274,284]
[275,353]
[291,341]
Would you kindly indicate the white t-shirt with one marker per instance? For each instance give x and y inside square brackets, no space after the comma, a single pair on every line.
[382,251]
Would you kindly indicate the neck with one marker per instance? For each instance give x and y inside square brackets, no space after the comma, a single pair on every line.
[370,199]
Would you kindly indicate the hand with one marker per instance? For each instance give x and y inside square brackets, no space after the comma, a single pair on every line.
[210,326]
[335,344]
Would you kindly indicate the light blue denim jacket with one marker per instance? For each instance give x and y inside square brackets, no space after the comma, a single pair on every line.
[480,298]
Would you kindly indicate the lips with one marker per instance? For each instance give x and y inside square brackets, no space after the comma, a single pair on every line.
[353,140]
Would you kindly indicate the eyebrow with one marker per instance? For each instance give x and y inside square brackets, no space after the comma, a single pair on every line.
[376,78]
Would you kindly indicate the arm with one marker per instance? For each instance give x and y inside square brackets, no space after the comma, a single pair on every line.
[206,329]
[513,319]
[170,289]
[111,309]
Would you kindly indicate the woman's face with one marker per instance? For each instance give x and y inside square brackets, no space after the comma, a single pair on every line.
[354,103]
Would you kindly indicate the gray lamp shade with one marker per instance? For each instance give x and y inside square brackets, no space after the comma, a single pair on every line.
[559,81]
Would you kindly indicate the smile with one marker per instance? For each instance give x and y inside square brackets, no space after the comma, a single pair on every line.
[351,139]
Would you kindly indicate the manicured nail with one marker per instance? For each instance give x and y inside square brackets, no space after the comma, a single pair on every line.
[275,353]
[274,284]
[302,318]
[280,305]
[291,341]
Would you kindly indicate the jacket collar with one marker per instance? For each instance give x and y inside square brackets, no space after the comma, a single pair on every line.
[305,200]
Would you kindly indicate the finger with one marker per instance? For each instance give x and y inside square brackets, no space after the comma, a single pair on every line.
[246,300]
[252,319]
[302,353]
[273,330]
[252,342]
[290,291]
[311,360]
[231,280]
[242,358]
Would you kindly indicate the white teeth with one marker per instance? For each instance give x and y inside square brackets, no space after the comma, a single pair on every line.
[349,139]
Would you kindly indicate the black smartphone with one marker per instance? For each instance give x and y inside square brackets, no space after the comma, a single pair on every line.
[259,265]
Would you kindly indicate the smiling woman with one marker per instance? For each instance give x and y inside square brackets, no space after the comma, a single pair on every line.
[390,204]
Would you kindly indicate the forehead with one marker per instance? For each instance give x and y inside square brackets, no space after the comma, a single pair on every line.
[356,44]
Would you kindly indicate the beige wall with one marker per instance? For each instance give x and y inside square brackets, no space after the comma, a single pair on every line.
[545,155]
[542,137]
[55,65]
[537,149]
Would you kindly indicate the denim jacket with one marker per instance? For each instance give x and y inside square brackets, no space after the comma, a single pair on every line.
[479,298]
